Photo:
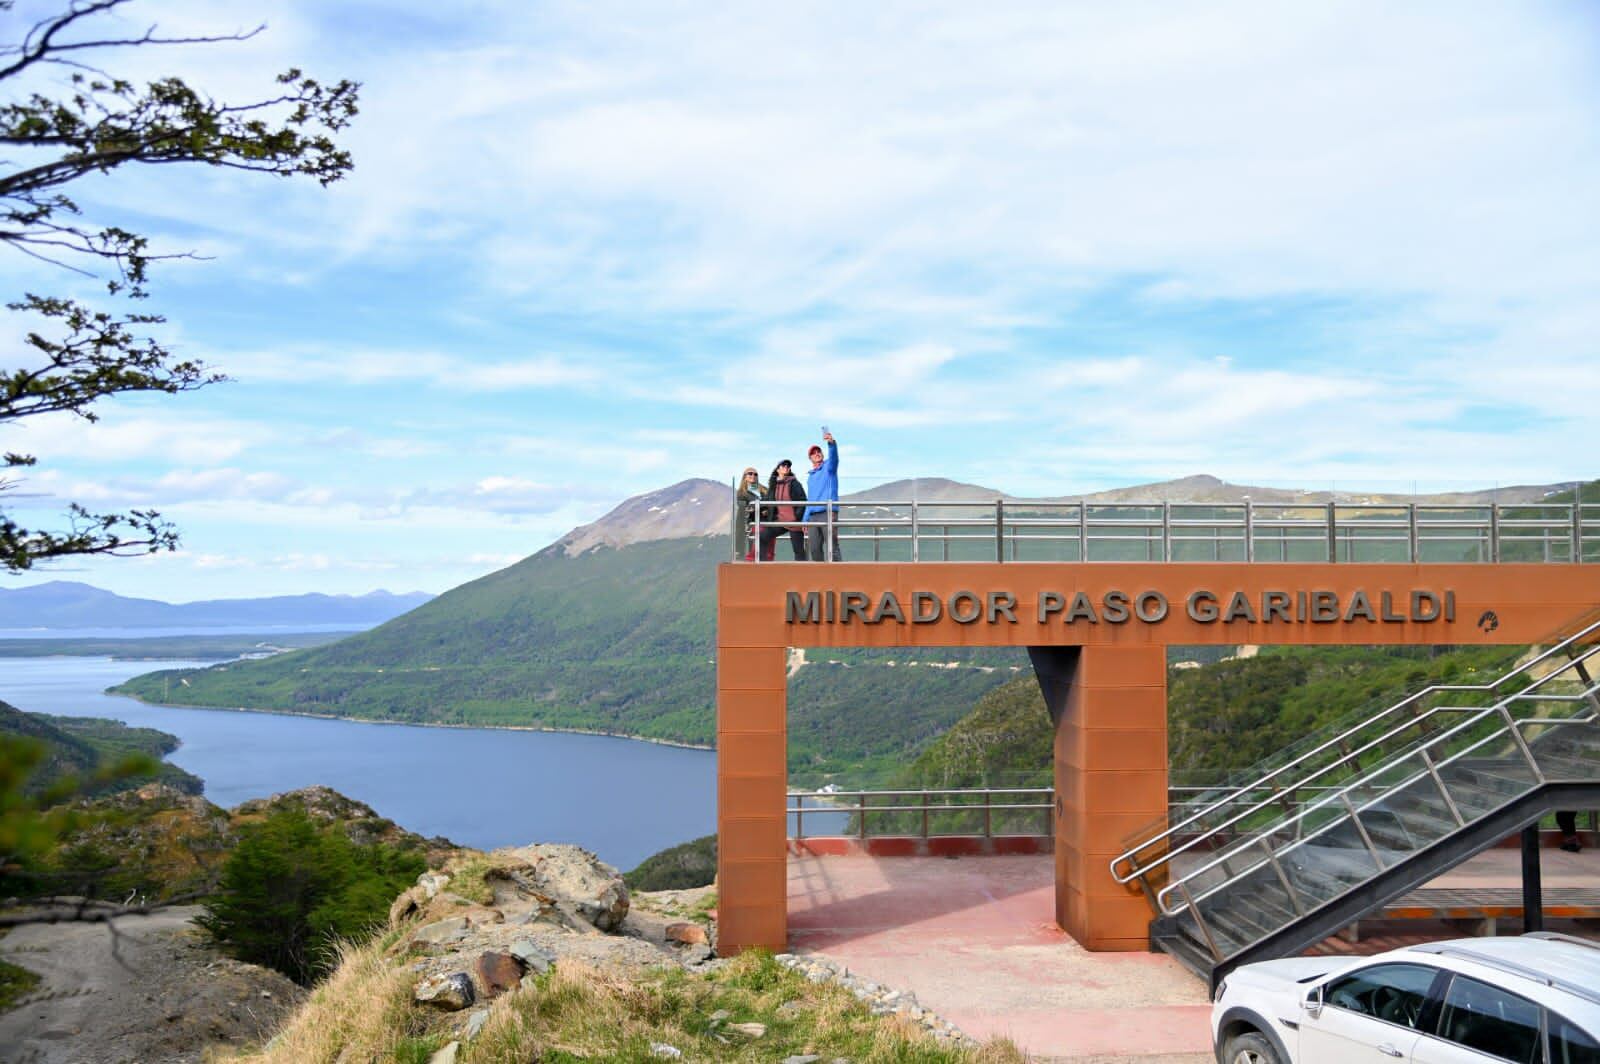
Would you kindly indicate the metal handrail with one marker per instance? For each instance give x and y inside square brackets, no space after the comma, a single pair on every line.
[1343,795]
[932,800]
[1560,531]
[1131,855]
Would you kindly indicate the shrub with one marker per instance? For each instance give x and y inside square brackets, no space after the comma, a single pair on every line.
[689,864]
[291,890]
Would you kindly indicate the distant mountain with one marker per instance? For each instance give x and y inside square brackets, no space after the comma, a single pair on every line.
[685,510]
[696,508]
[1201,488]
[68,604]
[618,640]
[611,629]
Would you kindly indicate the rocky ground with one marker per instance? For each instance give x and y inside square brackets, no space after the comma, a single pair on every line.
[533,906]
[148,989]
[468,933]
[477,929]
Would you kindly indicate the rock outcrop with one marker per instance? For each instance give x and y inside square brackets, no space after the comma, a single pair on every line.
[484,925]
[360,821]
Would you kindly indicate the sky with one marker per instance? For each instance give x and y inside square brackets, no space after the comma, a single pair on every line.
[591,249]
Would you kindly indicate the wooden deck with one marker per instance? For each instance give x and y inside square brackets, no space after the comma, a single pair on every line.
[1464,903]
[1479,910]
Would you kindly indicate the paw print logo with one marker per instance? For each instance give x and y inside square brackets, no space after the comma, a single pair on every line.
[1488,622]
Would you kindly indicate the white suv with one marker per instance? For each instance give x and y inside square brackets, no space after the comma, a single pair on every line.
[1533,999]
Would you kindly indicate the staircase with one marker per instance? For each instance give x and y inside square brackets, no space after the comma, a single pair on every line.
[1341,827]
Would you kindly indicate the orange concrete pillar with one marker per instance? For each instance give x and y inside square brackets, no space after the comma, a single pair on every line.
[752,775]
[1111,782]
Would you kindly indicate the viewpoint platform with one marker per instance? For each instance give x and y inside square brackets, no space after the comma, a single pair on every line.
[1097,594]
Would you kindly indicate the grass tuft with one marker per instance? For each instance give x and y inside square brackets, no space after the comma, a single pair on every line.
[362,1012]
[15,984]
[581,1013]
[470,879]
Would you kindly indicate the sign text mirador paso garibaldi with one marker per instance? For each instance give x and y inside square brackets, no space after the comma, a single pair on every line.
[1203,605]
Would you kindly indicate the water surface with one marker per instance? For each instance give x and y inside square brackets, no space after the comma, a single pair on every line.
[622,798]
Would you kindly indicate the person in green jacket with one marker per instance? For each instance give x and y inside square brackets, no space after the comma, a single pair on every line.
[751,492]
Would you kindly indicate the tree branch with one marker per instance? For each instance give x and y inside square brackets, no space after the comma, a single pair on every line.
[44,47]
[88,910]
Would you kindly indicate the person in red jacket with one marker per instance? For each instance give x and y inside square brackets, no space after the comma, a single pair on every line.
[783,487]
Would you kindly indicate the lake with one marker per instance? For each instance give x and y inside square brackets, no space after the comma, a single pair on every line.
[622,798]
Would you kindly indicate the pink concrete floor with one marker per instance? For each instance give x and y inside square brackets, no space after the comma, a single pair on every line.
[975,939]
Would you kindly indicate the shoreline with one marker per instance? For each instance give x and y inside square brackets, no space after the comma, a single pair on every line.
[681,744]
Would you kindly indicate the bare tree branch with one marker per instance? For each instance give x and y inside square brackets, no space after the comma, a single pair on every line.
[43,46]
[88,910]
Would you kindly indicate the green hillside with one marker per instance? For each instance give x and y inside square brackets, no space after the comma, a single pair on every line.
[1221,719]
[89,750]
[621,640]
[615,639]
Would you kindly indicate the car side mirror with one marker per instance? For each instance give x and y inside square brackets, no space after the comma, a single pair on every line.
[1313,1002]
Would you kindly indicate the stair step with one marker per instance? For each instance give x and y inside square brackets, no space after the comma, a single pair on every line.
[1187,952]
[1272,902]
[1511,777]
[1429,824]
[1240,920]
[1316,885]
[1230,932]
[1187,929]
[1567,768]
[1475,802]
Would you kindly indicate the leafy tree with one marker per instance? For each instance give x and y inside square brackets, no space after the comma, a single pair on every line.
[67,119]
[290,889]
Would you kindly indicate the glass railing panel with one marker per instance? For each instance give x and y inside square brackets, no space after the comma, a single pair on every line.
[1568,764]
[1251,907]
[1399,733]
[1401,818]
[1328,863]
[1455,548]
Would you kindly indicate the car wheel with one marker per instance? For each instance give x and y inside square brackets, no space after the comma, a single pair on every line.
[1250,1048]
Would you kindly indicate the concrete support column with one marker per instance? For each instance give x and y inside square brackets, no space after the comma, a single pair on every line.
[752,776]
[1110,708]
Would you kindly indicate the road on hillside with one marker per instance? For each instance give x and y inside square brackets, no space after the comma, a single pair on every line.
[154,990]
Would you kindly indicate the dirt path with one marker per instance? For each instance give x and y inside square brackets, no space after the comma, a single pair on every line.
[155,991]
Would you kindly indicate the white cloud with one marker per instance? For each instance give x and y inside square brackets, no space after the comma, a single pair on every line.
[464,373]
[120,436]
[815,156]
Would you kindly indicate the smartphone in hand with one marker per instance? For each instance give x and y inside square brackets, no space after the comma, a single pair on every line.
[825,431]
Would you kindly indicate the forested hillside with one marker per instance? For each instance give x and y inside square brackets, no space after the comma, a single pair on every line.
[97,755]
[611,629]
[617,640]
[1221,719]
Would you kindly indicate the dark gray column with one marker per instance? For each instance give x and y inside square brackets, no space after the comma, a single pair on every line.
[1532,888]
[1055,668]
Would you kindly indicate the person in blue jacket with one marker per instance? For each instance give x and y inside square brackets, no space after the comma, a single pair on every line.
[822,485]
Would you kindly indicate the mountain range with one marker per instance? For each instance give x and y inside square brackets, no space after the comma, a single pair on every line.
[66,604]
[610,629]
[700,507]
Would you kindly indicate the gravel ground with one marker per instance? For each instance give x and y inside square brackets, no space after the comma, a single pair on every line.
[152,992]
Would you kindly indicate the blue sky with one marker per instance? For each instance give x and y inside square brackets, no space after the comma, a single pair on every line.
[591,249]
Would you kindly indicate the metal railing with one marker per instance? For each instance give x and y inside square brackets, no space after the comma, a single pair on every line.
[1009,530]
[1283,846]
[986,811]
[978,809]
[1347,748]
